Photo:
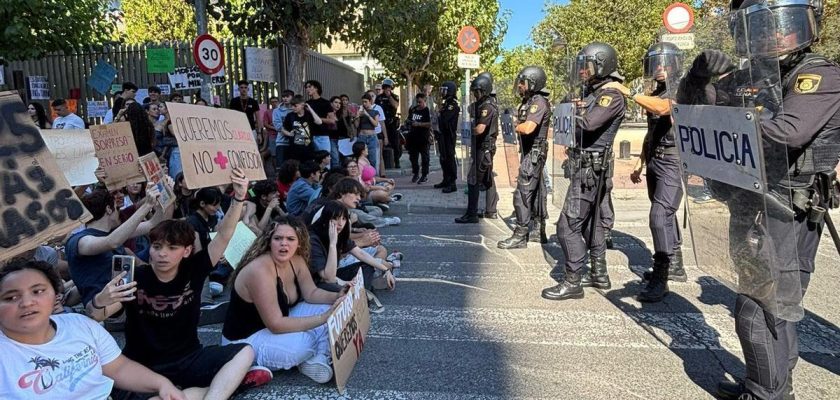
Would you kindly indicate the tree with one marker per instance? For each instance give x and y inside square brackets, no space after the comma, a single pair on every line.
[33,28]
[512,61]
[302,24]
[163,20]
[423,48]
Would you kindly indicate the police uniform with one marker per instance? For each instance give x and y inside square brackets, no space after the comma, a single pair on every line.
[450,110]
[480,177]
[529,200]
[392,124]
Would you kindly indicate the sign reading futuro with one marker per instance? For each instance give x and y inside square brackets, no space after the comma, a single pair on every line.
[720,143]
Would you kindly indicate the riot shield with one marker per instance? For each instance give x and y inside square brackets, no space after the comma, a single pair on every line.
[565,160]
[747,234]
[511,149]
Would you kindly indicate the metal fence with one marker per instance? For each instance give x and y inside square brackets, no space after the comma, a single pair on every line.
[68,72]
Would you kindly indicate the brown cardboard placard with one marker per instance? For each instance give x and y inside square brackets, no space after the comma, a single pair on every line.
[348,328]
[117,154]
[36,202]
[154,173]
[213,141]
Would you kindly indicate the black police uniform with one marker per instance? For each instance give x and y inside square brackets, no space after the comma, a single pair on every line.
[810,128]
[392,124]
[418,141]
[595,129]
[450,110]
[529,200]
[483,146]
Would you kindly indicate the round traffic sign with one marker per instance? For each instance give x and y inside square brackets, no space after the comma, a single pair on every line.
[678,18]
[468,39]
[208,54]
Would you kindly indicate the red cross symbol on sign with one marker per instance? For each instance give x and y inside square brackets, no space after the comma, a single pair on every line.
[468,39]
[221,160]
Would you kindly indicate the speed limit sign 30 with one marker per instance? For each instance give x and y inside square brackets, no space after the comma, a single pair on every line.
[208,54]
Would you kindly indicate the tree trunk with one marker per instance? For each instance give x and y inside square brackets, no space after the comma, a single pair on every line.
[296,66]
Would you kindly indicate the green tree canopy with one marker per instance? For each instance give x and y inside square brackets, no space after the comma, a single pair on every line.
[163,20]
[32,28]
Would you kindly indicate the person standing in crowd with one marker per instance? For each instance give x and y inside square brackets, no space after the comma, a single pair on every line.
[661,158]
[297,127]
[529,200]
[390,103]
[154,96]
[381,134]
[141,128]
[346,124]
[278,116]
[449,112]
[323,109]
[367,120]
[128,92]
[39,116]
[66,119]
[270,143]
[176,98]
[483,142]
[262,206]
[602,113]
[244,103]
[419,138]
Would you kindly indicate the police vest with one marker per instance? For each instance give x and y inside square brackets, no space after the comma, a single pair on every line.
[540,134]
[488,139]
[602,138]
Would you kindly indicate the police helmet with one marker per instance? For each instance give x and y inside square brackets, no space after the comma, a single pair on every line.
[665,57]
[482,85]
[595,62]
[534,78]
[388,82]
[448,89]
[774,28]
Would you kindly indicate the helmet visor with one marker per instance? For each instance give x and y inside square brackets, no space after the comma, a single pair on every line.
[585,70]
[661,66]
[762,31]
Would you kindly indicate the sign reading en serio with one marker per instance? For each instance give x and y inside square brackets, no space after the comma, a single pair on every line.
[720,143]
[185,78]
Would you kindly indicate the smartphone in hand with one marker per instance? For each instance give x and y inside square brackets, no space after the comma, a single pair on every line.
[120,264]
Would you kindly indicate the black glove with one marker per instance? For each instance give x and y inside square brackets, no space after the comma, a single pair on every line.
[711,63]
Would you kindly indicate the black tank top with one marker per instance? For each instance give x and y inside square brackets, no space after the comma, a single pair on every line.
[243,320]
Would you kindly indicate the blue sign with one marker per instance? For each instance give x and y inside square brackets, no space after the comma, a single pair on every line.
[102,76]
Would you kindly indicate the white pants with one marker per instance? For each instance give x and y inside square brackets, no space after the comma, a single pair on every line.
[286,350]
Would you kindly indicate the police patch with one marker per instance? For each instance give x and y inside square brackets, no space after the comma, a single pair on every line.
[605,101]
[483,113]
[534,108]
[807,83]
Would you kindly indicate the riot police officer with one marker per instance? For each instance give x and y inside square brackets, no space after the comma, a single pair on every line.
[807,134]
[662,65]
[485,129]
[601,114]
[449,111]
[529,200]
[390,103]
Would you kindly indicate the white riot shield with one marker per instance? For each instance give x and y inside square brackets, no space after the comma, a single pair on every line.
[565,160]
[747,234]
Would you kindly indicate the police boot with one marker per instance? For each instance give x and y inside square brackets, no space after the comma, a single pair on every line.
[568,289]
[597,276]
[727,390]
[657,287]
[468,218]
[676,272]
[608,238]
[537,234]
[519,240]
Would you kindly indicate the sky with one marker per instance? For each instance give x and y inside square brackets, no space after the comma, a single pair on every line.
[526,15]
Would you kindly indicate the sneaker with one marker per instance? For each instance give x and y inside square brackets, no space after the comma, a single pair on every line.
[414,178]
[392,220]
[213,313]
[374,305]
[383,207]
[395,258]
[216,289]
[423,179]
[317,368]
[256,376]
[396,197]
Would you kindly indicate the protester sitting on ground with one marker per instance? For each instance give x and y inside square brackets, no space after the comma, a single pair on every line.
[203,219]
[262,206]
[304,189]
[200,102]
[67,344]
[323,159]
[333,255]
[376,194]
[39,116]
[297,126]
[350,192]
[162,323]
[360,153]
[276,307]
[90,250]
[286,176]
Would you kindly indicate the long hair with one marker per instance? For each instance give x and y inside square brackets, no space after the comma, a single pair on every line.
[319,223]
[262,244]
[41,115]
[141,127]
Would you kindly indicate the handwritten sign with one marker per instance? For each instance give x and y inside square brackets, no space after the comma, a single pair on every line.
[243,238]
[102,76]
[160,60]
[36,202]
[185,78]
[213,141]
[97,109]
[348,327]
[154,173]
[74,154]
[39,88]
[117,153]
[261,64]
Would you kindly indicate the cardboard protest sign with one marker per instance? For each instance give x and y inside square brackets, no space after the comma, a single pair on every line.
[154,173]
[184,78]
[348,327]
[39,87]
[261,64]
[213,141]
[117,153]
[74,154]
[36,202]
[239,244]
[97,109]
[101,76]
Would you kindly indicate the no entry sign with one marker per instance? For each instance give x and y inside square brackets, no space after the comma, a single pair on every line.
[678,18]
[208,54]
[468,39]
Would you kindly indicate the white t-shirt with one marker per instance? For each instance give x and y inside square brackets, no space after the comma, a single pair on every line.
[381,119]
[71,121]
[67,367]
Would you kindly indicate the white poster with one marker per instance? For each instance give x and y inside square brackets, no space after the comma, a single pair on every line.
[185,78]
[97,109]
[261,64]
[74,153]
[39,88]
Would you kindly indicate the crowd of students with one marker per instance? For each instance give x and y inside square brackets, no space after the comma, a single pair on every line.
[317,221]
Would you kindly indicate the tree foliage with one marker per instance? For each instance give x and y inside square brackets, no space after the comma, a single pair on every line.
[163,20]
[32,28]
[512,61]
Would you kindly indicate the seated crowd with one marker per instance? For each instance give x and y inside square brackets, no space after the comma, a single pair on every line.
[317,223]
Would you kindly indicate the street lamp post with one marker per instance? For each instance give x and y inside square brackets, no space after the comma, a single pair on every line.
[560,43]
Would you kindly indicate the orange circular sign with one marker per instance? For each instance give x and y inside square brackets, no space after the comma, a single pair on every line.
[468,39]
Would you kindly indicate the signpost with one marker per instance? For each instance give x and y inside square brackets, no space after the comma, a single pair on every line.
[469,61]
[678,18]
[468,41]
